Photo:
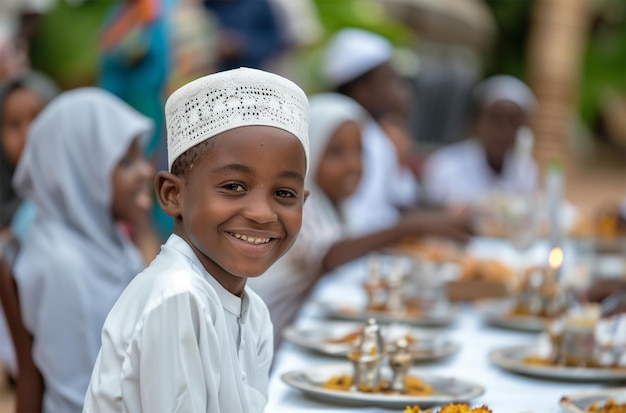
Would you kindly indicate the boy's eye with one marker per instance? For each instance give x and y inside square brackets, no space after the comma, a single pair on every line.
[235,187]
[283,193]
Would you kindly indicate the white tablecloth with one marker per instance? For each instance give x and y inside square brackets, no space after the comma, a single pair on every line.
[505,392]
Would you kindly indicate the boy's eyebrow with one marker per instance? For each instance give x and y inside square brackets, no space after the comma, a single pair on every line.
[233,167]
[293,175]
[237,167]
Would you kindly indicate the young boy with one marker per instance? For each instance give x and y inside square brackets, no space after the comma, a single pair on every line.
[187,335]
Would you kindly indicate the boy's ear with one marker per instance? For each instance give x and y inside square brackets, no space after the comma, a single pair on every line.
[169,189]
[306,195]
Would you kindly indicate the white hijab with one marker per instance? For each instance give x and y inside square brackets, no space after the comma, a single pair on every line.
[327,112]
[74,262]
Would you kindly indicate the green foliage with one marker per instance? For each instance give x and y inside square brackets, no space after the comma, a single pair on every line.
[365,14]
[65,46]
[604,64]
[513,22]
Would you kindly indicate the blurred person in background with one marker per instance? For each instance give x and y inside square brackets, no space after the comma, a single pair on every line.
[21,99]
[463,172]
[83,168]
[18,23]
[358,64]
[133,59]
[324,243]
[250,33]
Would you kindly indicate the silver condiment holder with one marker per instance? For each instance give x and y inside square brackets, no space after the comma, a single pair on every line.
[400,360]
[367,356]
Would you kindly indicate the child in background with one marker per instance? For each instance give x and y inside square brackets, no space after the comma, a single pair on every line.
[466,171]
[187,335]
[324,243]
[83,168]
[21,99]
[358,63]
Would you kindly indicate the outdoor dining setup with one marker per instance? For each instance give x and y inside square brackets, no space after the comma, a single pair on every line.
[430,324]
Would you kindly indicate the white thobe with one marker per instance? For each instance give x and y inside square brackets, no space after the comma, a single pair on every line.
[385,186]
[177,341]
[459,174]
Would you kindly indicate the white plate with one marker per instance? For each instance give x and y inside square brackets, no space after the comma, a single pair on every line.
[496,312]
[428,345]
[446,390]
[579,401]
[354,313]
[511,358]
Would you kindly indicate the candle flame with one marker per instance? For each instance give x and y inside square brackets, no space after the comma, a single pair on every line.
[555,258]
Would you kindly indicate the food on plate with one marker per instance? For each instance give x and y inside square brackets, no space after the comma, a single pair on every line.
[537,361]
[434,251]
[342,382]
[351,337]
[606,223]
[413,386]
[609,406]
[416,387]
[449,408]
[486,270]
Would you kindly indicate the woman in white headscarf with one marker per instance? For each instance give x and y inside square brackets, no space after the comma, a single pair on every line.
[335,125]
[497,157]
[83,168]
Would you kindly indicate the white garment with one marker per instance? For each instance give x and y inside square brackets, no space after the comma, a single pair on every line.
[385,186]
[286,284]
[459,174]
[177,341]
[74,262]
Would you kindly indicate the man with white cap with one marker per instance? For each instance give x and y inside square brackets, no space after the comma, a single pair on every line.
[188,335]
[358,64]
[498,155]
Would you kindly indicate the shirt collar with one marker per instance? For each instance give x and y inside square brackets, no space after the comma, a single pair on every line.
[238,306]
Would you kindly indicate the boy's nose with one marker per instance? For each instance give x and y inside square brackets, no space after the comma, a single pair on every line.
[259,208]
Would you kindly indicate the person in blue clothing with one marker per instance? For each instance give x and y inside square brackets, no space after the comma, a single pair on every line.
[250,33]
[133,60]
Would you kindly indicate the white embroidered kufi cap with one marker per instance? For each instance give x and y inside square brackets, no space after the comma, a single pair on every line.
[505,87]
[353,52]
[226,100]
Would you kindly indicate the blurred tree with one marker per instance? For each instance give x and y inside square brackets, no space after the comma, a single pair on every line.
[365,14]
[65,43]
[513,21]
[604,65]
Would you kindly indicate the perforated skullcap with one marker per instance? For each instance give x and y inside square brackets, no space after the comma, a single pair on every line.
[505,87]
[353,52]
[226,100]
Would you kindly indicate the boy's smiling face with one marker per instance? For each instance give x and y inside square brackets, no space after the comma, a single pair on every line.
[240,206]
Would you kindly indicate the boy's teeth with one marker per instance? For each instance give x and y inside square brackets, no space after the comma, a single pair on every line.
[252,240]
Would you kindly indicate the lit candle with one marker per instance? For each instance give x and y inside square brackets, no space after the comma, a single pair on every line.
[555,261]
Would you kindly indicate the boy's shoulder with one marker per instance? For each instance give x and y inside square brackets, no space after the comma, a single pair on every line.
[171,274]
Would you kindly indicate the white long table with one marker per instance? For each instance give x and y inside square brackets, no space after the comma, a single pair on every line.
[505,392]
